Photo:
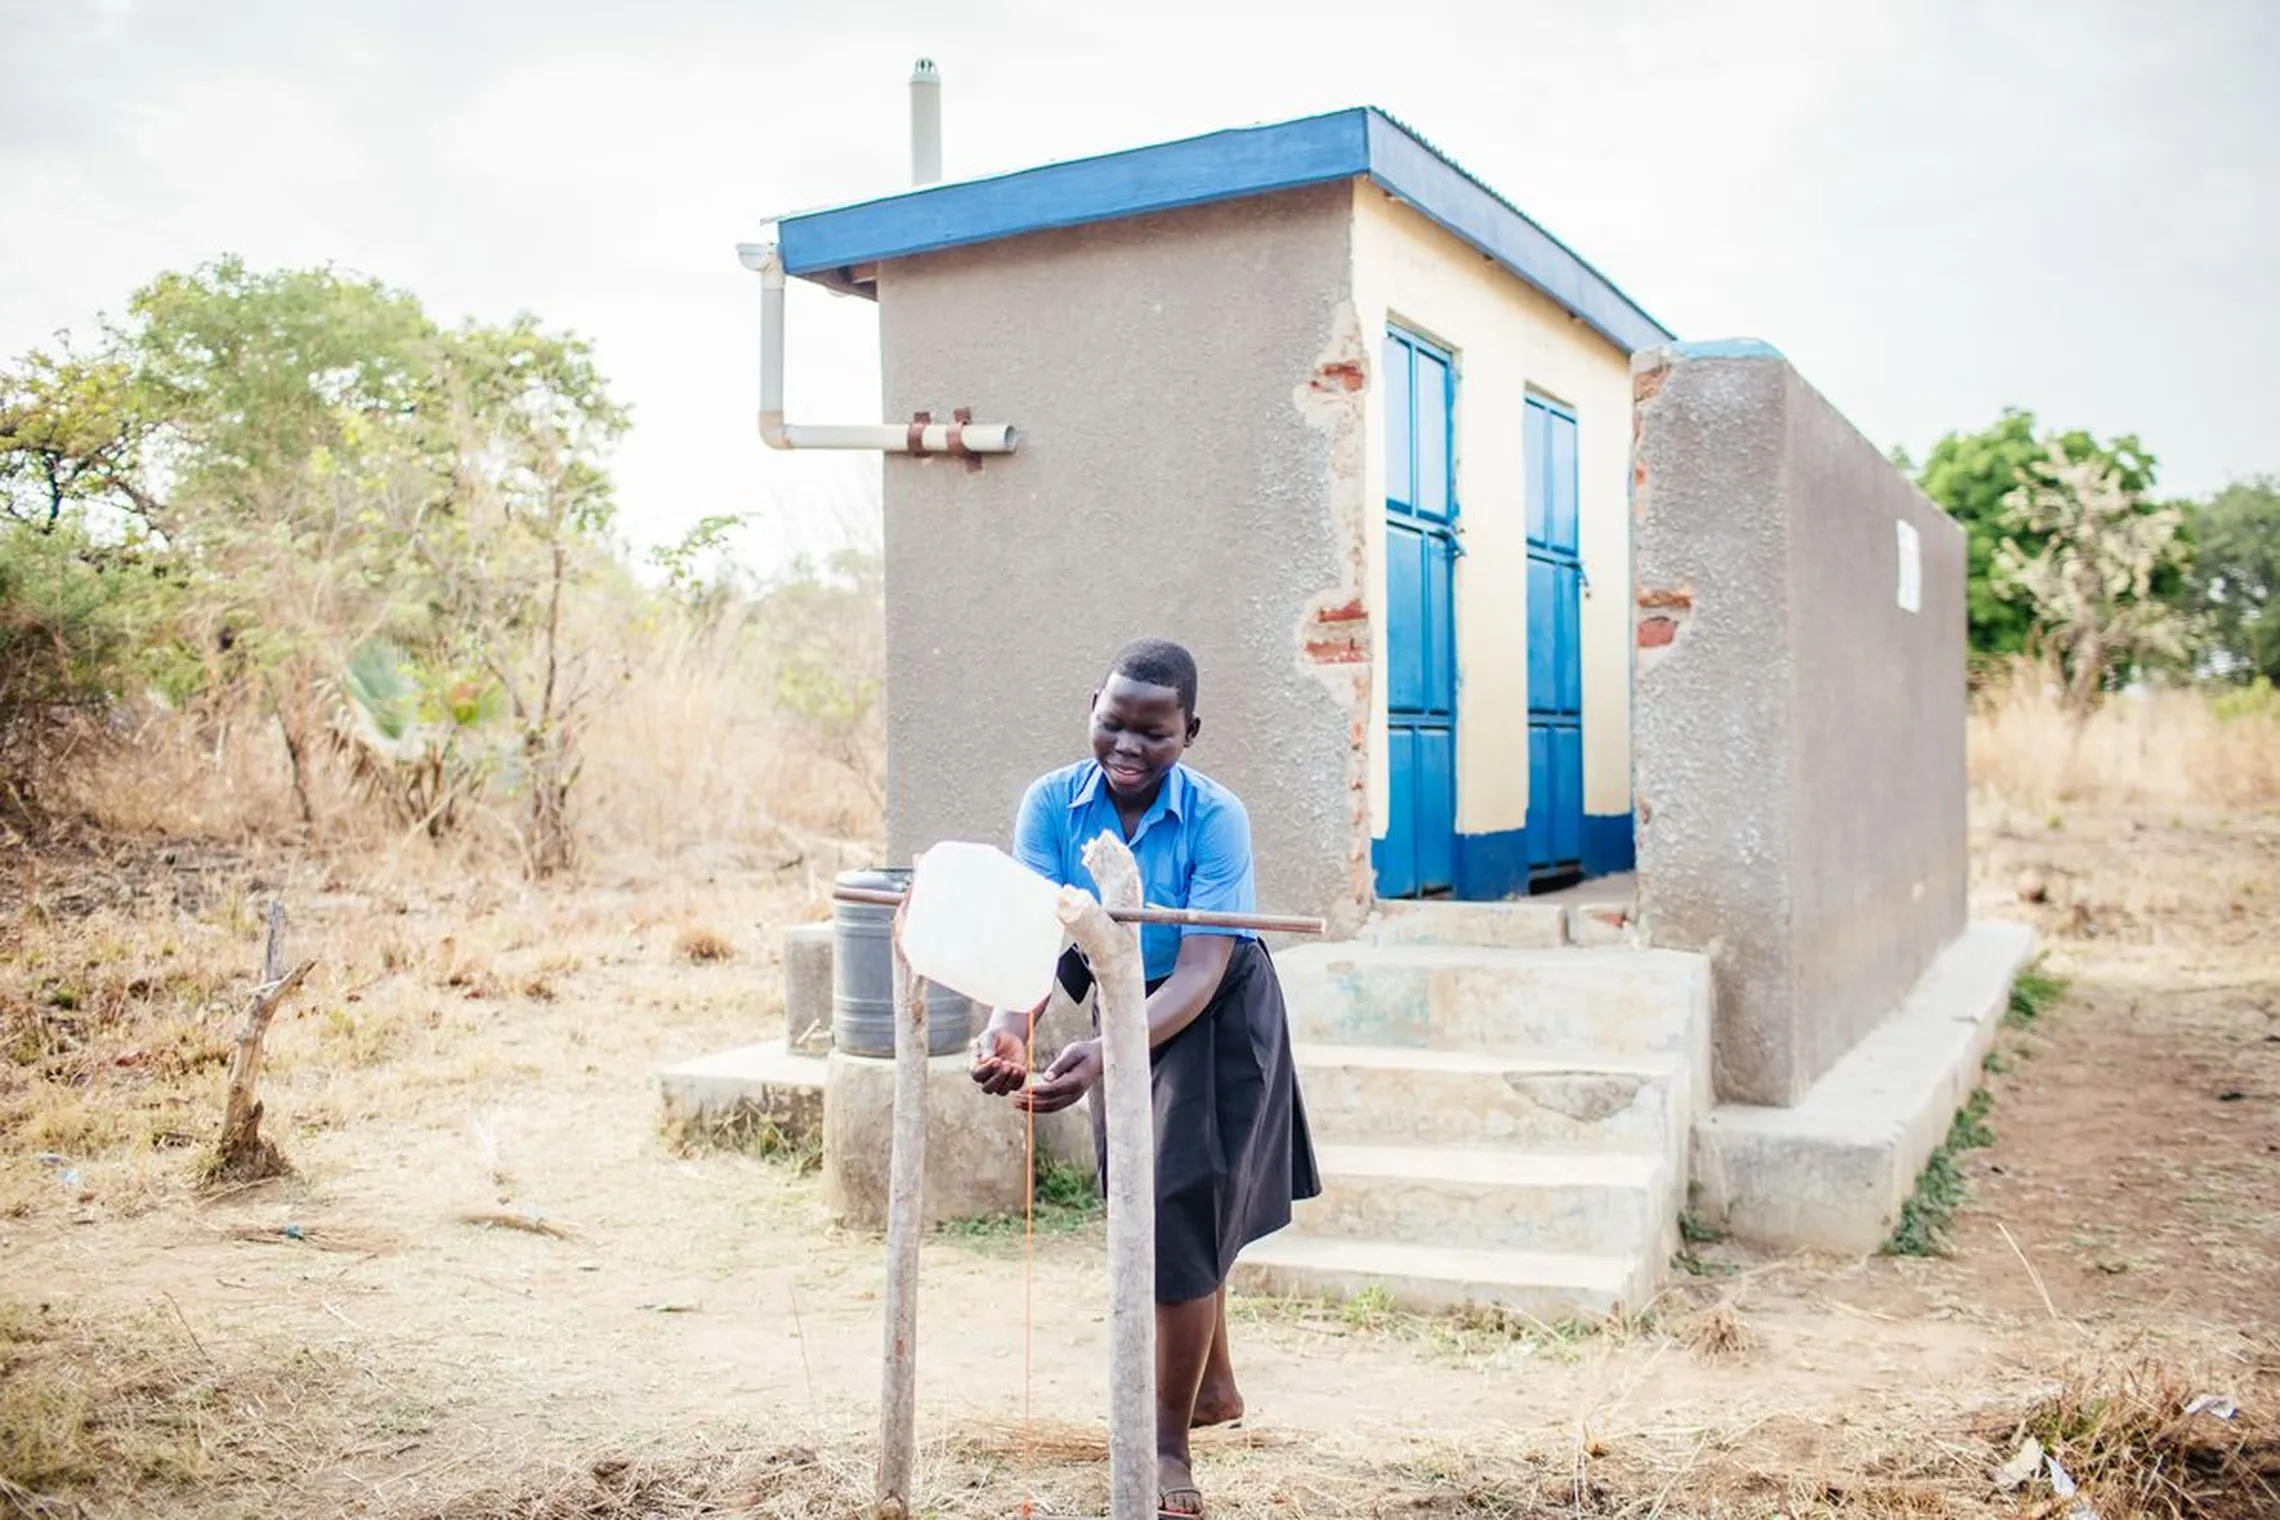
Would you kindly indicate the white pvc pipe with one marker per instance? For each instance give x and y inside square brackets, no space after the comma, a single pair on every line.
[925,123]
[883,437]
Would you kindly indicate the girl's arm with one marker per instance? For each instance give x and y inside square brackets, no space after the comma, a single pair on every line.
[1172,1007]
[1190,988]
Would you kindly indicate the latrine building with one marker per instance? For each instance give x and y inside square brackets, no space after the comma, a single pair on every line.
[1497,588]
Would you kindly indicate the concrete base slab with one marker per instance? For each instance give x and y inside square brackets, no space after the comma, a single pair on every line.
[1548,1287]
[976,1146]
[764,1079]
[1831,1172]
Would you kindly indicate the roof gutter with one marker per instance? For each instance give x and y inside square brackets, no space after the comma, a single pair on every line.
[921,435]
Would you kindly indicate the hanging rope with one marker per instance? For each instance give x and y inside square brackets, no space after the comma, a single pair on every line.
[1028,1272]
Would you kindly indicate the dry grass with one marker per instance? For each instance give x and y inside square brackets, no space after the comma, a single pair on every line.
[687,748]
[693,752]
[2168,748]
[139,1413]
[89,1418]
[116,1035]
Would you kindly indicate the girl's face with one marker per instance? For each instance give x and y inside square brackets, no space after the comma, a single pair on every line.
[1139,732]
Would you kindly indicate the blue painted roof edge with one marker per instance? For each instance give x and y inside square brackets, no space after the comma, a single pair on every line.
[1219,166]
[1227,165]
[1412,169]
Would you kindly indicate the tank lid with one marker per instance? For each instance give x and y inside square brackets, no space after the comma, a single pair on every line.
[876,879]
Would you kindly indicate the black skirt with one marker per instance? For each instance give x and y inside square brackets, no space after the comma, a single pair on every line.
[1232,1147]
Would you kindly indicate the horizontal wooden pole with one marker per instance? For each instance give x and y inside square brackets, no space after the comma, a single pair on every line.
[1262,923]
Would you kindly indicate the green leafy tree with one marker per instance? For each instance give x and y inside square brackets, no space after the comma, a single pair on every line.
[1973,476]
[2084,555]
[528,421]
[83,598]
[322,469]
[2235,586]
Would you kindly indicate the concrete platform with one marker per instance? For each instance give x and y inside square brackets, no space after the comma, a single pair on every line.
[767,1077]
[977,1147]
[1831,1172]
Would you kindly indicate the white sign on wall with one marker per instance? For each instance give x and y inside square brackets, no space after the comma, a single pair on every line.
[1911,567]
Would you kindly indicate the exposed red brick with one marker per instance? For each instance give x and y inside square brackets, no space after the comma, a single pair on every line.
[1655,632]
[1665,597]
[1639,473]
[1336,652]
[1344,612]
[1648,383]
[1339,375]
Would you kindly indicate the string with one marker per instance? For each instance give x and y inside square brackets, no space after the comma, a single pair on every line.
[1028,1256]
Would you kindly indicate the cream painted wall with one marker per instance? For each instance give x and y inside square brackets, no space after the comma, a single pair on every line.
[1508,338]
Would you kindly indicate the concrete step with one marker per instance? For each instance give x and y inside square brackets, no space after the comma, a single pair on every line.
[1517,925]
[1375,1094]
[1547,1287]
[1502,1199]
[1620,1005]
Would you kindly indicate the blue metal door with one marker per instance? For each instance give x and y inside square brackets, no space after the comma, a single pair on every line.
[1418,853]
[1555,646]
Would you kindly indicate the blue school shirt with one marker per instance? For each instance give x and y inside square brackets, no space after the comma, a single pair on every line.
[1193,847]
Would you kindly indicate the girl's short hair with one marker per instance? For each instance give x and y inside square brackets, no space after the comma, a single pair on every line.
[1158,662]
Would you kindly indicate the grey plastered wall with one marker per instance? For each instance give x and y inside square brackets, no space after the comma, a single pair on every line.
[1187,390]
[1798,733]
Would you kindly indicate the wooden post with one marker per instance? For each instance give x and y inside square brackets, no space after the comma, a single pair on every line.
[906,1199]
[242,1155]
[1129,1109]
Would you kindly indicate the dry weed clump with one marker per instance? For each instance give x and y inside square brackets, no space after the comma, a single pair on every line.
[2146,1438]
[700,945]
[1718,1332]
[2166,747]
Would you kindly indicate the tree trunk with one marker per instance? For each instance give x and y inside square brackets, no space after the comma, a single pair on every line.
[296,759]
[1114,951]
[906,1196]
[243,1155]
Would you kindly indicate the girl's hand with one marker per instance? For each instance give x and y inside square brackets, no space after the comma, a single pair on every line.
[1001,1063]
[1069,1078]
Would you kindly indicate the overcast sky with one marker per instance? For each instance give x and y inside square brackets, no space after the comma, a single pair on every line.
[1934,207]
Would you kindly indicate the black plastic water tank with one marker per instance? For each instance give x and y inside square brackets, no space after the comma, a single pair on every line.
[863,977]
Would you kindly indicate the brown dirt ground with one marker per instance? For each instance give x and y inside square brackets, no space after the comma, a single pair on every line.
[703,1340]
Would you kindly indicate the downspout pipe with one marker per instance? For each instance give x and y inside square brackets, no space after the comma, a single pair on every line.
[919,436]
